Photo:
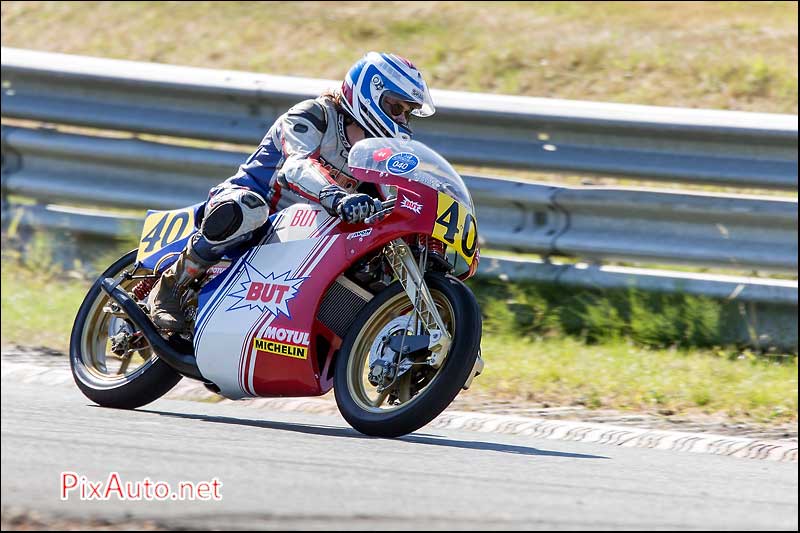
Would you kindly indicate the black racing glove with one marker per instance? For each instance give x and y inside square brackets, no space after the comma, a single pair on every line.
[351,208]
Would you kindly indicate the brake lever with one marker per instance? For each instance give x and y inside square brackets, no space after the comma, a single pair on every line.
[386,207]
[377,217]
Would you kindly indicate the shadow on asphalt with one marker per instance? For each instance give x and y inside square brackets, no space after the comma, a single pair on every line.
[493,446]
[415,438]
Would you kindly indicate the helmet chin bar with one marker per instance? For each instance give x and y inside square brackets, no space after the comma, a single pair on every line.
[369,131]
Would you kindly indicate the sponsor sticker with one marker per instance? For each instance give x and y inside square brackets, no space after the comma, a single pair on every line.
[411,205]
[217,269]
[428,180]
[402,163]
[360,234]
[292,336]
[280,348]
[304,218]
[381,155]
[266,293]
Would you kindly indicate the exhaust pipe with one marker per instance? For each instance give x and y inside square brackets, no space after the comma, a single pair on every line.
[185,364]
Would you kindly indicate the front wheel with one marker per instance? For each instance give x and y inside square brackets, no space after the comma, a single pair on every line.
[112,363]
[418,395]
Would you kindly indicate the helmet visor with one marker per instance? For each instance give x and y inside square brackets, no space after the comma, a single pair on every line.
[398,108]
[426,109]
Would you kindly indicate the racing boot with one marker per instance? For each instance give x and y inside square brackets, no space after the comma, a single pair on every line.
[165,298]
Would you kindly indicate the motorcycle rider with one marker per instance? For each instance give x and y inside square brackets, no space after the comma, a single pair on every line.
[302,158]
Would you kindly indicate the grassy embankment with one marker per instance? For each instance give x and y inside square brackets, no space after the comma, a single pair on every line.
[721,55]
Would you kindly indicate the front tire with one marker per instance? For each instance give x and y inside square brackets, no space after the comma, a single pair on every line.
[462,316]
[123,382]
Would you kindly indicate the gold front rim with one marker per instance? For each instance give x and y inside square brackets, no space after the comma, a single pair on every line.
[410,386]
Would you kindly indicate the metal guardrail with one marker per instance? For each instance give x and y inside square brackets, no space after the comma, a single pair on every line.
[94,225]
[608,224]
[755,150]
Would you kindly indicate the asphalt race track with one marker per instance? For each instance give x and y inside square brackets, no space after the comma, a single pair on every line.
[284,470]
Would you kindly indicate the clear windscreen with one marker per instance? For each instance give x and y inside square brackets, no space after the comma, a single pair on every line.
[412,160]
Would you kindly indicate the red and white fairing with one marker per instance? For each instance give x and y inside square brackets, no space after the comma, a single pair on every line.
[268,295]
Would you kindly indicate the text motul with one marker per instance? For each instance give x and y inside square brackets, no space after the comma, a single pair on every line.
[287,335]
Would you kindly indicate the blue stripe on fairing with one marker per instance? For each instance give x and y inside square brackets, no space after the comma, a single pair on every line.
[224,279]
[227,278]
[205,308]
[208,289]
[403,72]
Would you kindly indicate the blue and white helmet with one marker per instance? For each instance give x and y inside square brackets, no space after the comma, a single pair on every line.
[379,86]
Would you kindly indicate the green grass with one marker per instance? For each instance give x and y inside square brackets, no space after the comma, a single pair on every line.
[627,350]
[650,319]
[724,55]
[40,297]
[621,375]
[37,309]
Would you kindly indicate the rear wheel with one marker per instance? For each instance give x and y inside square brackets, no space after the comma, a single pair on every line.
[418,395]
[112,362]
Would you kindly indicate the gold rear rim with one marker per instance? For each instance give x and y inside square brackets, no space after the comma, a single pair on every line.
[96,346]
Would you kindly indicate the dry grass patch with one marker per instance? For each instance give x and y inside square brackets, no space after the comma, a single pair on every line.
[725,55]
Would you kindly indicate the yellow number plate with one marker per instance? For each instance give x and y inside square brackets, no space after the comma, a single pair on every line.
[163,228]
[456,226]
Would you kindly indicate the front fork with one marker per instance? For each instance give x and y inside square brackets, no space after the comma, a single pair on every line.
[412,278]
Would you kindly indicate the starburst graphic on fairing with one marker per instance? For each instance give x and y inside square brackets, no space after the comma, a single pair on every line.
[271,293]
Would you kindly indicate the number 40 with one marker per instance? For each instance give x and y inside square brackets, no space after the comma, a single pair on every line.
[158,233]
[449,219]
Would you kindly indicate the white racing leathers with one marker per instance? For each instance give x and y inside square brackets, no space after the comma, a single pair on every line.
[304,150]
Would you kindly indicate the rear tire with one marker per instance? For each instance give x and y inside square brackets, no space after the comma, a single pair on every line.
[124,390]
[427,404]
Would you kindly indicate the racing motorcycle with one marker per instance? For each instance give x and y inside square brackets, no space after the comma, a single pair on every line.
[377,310]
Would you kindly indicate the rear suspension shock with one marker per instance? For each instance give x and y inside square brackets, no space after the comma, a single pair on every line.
[143,288]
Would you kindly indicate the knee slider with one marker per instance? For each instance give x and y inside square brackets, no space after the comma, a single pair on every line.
[252,201]
[222,221]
